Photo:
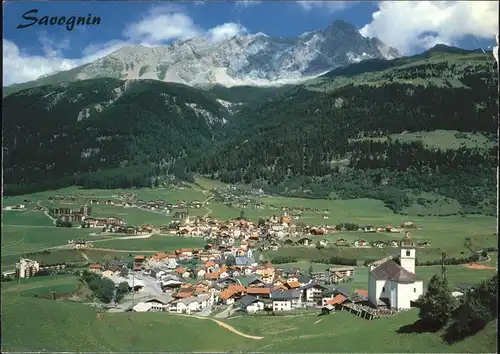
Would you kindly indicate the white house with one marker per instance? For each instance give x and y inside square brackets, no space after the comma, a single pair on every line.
[313,292]
[143,307]
[172,263]
[256,306]
[223,275]
[204,300]
[187,305]
[394,285]
[251,304]
[159,303]
[285,300]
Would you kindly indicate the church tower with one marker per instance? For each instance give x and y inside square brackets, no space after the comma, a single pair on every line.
[408,253]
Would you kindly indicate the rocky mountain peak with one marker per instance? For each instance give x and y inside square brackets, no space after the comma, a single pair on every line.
[249,59]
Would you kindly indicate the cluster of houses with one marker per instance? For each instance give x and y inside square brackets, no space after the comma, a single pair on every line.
[245,284]
[158,204]
[195,278]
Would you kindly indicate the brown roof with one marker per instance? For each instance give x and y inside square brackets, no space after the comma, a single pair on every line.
[293,284]
[180,270]
[390,270]
[158,256]
[226,294]
[95,266]
[280,287]
[209,264]
[236,288]
[139,257]
[214,275]
[258,291]
[183,294]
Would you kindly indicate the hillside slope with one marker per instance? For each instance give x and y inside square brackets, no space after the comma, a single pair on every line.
[51,132]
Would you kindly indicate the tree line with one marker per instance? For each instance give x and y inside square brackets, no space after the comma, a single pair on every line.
[462,317]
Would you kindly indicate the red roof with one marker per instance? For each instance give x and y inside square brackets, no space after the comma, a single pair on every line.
[337,300]
[362,292]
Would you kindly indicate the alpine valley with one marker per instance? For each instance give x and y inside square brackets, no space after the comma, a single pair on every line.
[329,114]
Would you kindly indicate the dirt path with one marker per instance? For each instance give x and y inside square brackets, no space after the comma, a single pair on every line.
[225,325]
[232,329]
[46,212]
[85,256]
[209,211]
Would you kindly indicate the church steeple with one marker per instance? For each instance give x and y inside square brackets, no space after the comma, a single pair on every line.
[406,241]
[408,256]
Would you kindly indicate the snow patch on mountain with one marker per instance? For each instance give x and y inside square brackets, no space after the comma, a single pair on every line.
[249,59]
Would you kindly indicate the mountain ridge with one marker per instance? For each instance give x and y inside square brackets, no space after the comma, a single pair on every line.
[249,59]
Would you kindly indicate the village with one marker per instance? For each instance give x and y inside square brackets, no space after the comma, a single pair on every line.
[226,275]
[273,233]
[201,281]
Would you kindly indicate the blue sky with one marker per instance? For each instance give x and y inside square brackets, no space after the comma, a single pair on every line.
[409,26]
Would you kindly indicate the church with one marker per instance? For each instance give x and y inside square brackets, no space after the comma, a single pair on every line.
[392,285]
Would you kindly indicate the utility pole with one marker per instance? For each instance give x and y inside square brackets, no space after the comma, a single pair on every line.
[133,285]
[443,266]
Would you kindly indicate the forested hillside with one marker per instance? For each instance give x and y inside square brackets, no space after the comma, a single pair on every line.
[57,133]
[418,133]
[312,143]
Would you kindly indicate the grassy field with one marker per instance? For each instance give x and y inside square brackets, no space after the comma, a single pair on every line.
[20,239]
[31,231]
[67,326]
[96,256]
[207,184]
[28,217]
[443,139]
[154,243]
[344,333]
[54,257]
[132,216]
[171,195]
[41,286]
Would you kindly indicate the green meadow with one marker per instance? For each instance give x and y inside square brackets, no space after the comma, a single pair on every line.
[131,215]
[30,231]
[154,243]
[17,239]
[26,218]
[57,325]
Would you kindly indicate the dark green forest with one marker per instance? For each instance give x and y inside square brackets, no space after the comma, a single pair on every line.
[293,141]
